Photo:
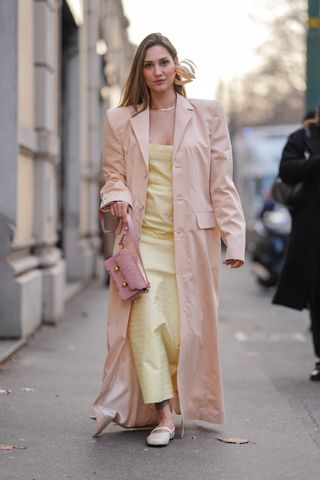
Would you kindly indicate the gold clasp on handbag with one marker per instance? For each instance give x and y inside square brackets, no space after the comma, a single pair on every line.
[116,268]
[124,284]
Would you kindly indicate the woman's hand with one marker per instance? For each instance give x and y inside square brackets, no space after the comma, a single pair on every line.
[119,209]
[233,263]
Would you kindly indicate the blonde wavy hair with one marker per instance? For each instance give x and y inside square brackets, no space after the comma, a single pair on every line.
[135,91]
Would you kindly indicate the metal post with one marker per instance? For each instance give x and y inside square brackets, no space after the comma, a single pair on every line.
[313,55]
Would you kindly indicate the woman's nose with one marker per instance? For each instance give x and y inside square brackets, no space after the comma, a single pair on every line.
[157,70]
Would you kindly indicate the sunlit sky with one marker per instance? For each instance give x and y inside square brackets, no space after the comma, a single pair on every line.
[220,37]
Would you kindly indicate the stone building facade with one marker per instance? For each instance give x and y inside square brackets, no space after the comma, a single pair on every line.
[63,62]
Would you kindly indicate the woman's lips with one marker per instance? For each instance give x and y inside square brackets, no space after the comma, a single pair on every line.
[159,82]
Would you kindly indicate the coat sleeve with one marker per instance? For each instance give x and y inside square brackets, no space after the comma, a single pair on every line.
[225,198]
[293,166]
[114,169]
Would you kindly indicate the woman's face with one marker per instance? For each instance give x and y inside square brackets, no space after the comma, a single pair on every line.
[159,69]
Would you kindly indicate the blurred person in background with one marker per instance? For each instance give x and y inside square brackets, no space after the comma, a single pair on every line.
[167,161]
[299,283]
[310,118]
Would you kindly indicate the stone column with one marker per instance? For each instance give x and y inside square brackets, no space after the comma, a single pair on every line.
[70,150]
[47,160]
[80,144]
[91,165]
[20,277]
[9,308]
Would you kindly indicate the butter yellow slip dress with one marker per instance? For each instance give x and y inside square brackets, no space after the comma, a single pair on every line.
[154,318]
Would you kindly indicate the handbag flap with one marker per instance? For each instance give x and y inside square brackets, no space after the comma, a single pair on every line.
[123,268]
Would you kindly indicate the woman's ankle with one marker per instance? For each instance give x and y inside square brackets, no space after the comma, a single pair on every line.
[165,417]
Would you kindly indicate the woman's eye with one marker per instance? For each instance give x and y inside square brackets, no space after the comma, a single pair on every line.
[147,65]
[164,62]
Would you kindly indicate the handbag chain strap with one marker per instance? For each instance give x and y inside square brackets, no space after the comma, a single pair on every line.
[129,228]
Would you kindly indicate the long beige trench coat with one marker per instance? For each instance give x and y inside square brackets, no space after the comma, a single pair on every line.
[206,208]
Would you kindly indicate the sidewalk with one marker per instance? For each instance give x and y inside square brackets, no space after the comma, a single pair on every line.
[9,347]
[266,356]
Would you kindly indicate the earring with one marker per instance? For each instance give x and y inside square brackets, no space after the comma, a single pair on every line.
[185,72]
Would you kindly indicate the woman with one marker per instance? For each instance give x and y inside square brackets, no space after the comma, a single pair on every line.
[168,159]
[299,283]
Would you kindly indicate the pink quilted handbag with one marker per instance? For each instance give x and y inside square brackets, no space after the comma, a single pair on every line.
[123,266]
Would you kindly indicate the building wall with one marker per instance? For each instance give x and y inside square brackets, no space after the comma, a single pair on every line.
[51,131]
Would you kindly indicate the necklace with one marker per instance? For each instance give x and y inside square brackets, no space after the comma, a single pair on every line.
[163,109]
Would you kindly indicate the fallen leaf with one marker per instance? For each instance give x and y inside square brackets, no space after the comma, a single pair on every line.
[235,440]
[27,389]
[5,391]
[3,446]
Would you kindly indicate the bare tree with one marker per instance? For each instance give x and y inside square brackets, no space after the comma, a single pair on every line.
[274,91]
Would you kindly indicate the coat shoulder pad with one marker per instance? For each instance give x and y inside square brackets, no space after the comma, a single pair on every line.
[119,116]
[212,107]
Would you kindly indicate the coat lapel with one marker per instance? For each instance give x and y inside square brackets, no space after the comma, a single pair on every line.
[140,125]
[184,111]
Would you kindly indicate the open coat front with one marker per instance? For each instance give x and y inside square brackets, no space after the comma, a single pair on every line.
[206,208]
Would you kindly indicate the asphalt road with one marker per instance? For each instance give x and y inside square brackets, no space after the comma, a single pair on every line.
[266,357]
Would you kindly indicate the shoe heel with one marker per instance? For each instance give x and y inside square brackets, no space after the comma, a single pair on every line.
[182,428]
